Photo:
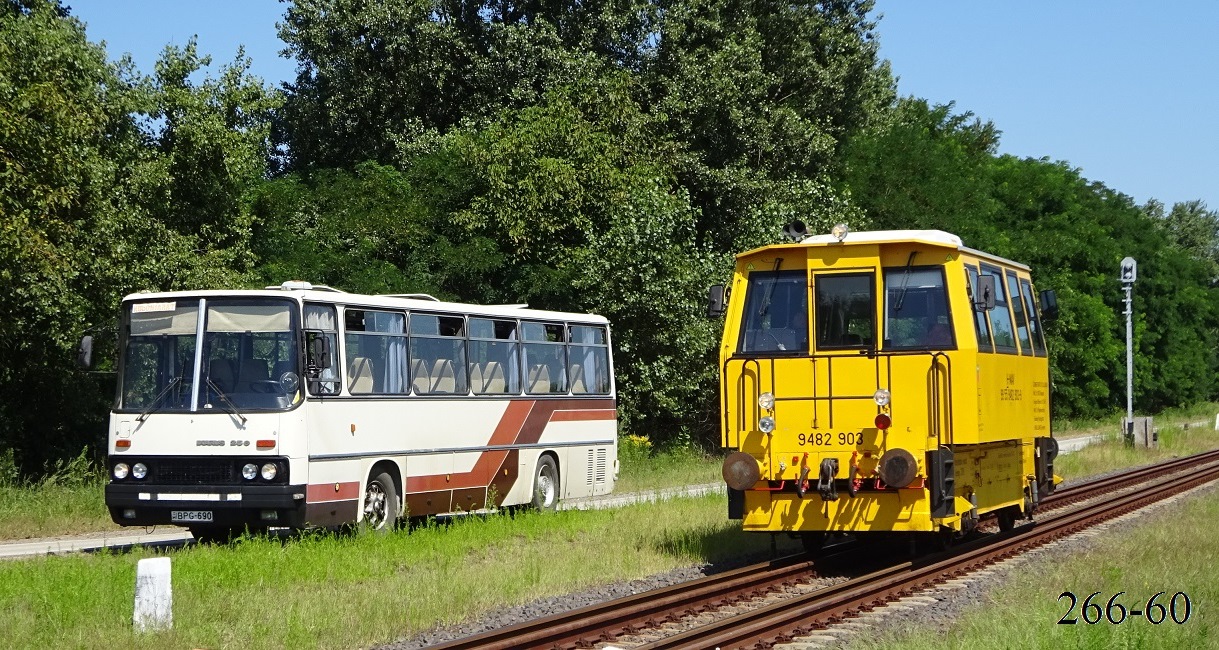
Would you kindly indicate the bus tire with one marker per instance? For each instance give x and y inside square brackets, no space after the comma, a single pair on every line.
[546,485]
[380,503]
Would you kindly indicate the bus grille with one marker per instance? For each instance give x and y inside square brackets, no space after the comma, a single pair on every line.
[196,471]
[596,466]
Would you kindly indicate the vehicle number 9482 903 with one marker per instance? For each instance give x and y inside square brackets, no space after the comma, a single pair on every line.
[826,439]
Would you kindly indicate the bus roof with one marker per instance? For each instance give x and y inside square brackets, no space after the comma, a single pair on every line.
[932,237]
[414,302]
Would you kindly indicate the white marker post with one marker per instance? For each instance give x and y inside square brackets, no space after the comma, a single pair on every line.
[153,596]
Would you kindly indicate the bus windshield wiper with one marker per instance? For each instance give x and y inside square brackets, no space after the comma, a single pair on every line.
[225,400]
[156,401]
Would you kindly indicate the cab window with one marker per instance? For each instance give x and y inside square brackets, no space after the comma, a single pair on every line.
[776,313]
[916,309]
[844,311]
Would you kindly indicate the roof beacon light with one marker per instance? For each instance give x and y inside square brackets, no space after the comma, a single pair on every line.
[840,231]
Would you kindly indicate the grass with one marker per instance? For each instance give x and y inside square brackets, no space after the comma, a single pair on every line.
[1112,424]
[331,591]
[66,501]
[646,469]
[1140,561]
[69,500]
[1112,453]
[327,590]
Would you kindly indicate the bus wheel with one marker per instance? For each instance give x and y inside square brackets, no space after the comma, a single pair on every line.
[380,503]
[546,485]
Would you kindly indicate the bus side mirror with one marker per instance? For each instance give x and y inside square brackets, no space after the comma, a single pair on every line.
[1049,304]
[715,301]
[84,353]
[986,290]
[318,350]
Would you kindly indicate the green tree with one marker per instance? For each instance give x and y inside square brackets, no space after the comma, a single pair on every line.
[761,97]
[79,222]
[1192,227]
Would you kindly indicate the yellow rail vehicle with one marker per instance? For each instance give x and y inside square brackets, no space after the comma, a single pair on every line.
[888,381]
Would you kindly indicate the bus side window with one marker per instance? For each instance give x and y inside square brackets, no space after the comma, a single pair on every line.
[545,361]
[321,343]
[376,351]
[589,353]
[438,347]
[494,361]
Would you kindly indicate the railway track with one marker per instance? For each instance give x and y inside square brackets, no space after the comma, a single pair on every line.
[773,602]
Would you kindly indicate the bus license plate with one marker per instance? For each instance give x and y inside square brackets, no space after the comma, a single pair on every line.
[190,515]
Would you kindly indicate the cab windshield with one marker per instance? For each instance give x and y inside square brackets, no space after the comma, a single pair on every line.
[205,354]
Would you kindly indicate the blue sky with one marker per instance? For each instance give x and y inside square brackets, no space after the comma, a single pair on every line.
[1126,91]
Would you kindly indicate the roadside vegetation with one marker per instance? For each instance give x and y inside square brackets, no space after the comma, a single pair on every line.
[68,499]
[1181,432]
[347,589]
[356,590]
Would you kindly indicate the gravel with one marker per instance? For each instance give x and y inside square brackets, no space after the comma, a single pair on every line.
[557,604]
[950,602]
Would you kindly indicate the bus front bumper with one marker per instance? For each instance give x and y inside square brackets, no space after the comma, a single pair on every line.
[134,504]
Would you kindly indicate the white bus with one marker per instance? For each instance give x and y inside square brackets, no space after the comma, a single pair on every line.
[303,406]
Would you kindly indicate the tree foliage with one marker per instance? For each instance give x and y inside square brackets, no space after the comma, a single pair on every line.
[926,167]
[97,170]
[607,156]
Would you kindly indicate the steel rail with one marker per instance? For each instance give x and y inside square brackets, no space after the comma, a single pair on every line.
[607,620]
[804,614]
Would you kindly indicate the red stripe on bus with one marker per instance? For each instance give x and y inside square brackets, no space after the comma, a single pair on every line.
[522,423]
[319,492]
[586,414]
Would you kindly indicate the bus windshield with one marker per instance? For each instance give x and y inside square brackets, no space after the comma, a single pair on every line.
[220,354]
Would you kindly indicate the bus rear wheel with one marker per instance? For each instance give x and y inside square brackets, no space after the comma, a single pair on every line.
[546,485]
[380,503]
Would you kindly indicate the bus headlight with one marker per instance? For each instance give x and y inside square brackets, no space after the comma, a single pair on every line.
[249,471]
[121,470]
[766,424]
[882,397]
[269,471]
[139,470]
[767,401]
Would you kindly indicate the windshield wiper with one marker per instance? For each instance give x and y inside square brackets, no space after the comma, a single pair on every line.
[905,282]
[156,401]
[225,400]
[770,288]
